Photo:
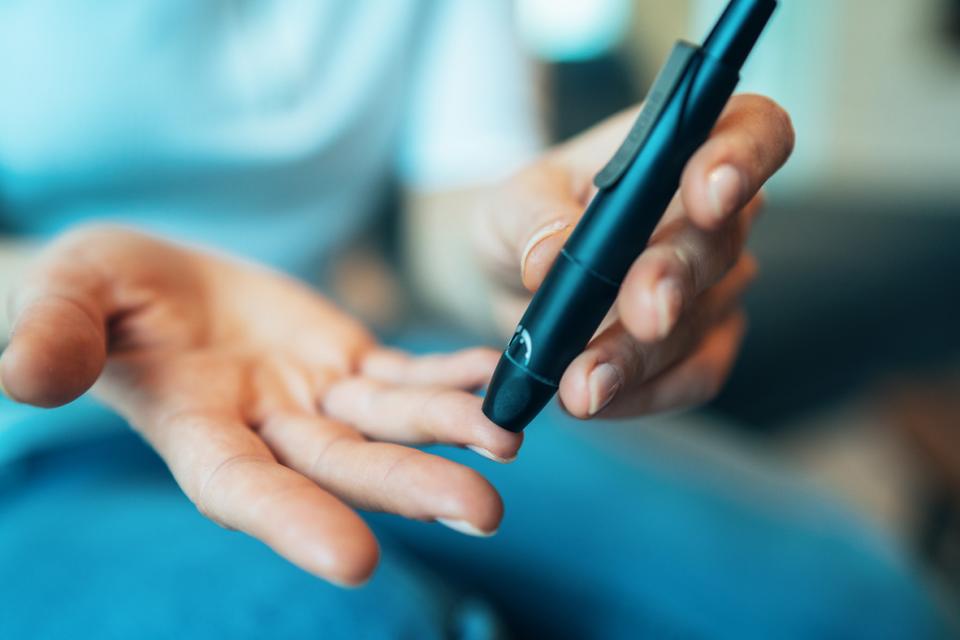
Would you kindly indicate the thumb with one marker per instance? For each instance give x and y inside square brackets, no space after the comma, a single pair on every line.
[545,240]
[58,344]
[534,220]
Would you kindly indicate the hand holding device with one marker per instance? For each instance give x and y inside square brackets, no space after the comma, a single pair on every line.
[633,192]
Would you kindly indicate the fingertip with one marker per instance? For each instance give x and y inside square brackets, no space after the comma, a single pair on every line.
[781,124]
[52,363]
[473,501]
[348,562]
[490,455]
[326,538]
[353,563]
[497,444]
[752,141]
[466,528]
[491,518]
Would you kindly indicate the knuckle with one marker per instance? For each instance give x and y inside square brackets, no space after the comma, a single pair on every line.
[398,466]
[209,485]
[318,466]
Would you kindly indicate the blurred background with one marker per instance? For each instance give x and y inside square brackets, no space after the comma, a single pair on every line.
[850,373]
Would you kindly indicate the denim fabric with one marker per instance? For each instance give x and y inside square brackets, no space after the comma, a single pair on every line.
[96,541]
[611,531]
[603,538]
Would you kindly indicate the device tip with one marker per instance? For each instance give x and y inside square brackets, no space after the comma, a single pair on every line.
[515,397]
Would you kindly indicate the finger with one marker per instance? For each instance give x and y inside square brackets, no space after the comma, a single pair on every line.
[544,203]
[615,362]
[693,382]
[232,477]
[419,415]
[58,345]
[531,218]
[382,476]
[469,369]
[682,261]
[752,140]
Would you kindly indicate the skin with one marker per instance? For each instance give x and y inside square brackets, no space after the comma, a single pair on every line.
[676,327]
[279,415]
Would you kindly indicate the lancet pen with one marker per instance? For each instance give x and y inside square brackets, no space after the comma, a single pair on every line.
[634,190]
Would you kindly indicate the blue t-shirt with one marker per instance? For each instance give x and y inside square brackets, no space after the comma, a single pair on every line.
[263,127]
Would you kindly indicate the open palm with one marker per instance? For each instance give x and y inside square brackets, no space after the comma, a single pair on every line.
[273,409]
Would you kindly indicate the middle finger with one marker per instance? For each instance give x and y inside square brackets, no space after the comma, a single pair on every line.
[681,262]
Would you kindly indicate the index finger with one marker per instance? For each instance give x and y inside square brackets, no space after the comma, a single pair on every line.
[752,140]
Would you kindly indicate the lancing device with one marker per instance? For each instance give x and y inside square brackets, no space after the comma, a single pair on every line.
[634,190]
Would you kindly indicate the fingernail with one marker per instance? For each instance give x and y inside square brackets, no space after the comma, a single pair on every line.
[490,455]
[350,586]
[604,383]
[726,190]
[668,299]
[464,527]
[548,231]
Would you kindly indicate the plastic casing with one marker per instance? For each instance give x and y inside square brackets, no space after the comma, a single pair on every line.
[583,283]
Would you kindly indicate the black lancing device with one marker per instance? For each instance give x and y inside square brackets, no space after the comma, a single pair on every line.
[634,190]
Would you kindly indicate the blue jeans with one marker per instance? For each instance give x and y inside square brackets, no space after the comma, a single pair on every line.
[610,532]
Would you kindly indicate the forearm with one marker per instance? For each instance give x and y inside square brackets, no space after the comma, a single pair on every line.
[15,254]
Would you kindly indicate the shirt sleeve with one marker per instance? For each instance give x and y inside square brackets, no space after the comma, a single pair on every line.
[473,113]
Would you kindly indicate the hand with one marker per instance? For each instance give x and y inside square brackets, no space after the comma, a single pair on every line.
[677,324]
[271,407]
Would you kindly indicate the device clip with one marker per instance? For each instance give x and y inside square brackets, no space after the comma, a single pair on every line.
[667,82]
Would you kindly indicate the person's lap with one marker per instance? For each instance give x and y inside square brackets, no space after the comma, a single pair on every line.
[96,540]
[609,532]
[634,533]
